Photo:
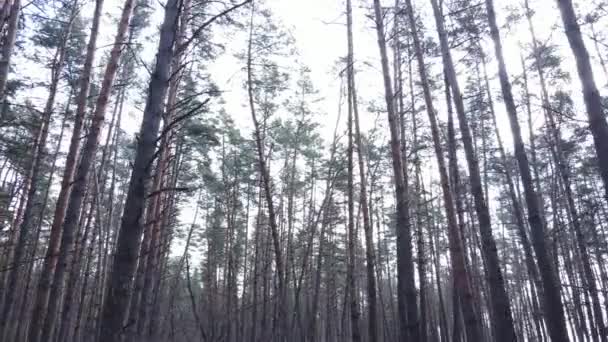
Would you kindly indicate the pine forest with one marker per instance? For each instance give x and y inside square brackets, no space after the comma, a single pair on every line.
[303,170]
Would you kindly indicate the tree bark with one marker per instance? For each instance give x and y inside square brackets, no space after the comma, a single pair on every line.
[369,241]
[518,213]
[464,289]
[24,310]
[274,229]
[89,150]
[352,235]
[52,252]
[406,298]
[37,160]
[128,241]
[502,320]
[552,300]
[9,44]
[44,283]
[591,95]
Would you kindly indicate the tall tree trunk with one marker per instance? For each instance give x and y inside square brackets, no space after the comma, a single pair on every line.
[367,227]
[418,191]
[461,278]
[37,160]
[8,45]
[52,252]
[65,310]
[157,209]
[24,310]
[502,320]
[555,144]
[98,182]
[81,176]
[274,229]
[128,242]
[518,213]
[161,178]
[599,130]
[552,301]
[136,310]
[352,235]
[312,328]
[591,95]
[406,298]
[443,322]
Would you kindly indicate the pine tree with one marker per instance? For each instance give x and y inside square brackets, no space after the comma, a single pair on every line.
[408,311]
[552,301]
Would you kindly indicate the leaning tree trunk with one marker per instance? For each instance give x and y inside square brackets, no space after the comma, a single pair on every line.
[367,228]
[23,310]
[274,229]
[127,249]
[501,317]
[561,165]
[79,185]
[352,236]
[557,153]
[599,130]
[554,309]
[591,95]
[9,44]
[461,279]
[518,213]
[37,160]
[148,264]
[406,298]
[50,260]
[324,217]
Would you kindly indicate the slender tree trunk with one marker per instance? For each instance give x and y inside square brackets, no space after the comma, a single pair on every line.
[502,320]
[591,95]
[256,264]
[98,182]
[84,287]
[8,45]
[443,323]
[74,274]
[324,223]
[369,241]
[352,235]
[599,129]
[24,310]
[472,322]
[128,242]
[552,301]
[149,262]
[160,179]
[76,196]
[589,280]
[408,310]
[50,261]
[461,306]
[37,160]
[517,213]
[598,51]
[267,189]
[418,191]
